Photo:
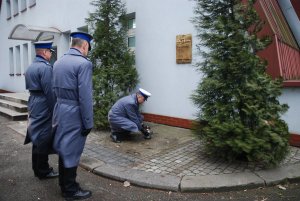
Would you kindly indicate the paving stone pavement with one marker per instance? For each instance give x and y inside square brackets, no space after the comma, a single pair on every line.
[174,159]
[186,158]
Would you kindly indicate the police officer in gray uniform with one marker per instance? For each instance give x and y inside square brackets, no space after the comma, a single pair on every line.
[73,112]
[124,116]
[38,78]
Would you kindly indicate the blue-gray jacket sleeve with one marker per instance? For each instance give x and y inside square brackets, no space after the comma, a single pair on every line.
[85,94]
[46,84]
[141,117]
[134,114]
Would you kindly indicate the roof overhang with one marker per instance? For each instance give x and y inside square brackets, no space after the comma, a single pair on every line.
[33,33]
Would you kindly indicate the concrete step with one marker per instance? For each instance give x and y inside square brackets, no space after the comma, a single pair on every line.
[14,105]
[18,107]
[13,115]
[21,98]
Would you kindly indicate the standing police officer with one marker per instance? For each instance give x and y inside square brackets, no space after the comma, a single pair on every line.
[73,112]
[38,79]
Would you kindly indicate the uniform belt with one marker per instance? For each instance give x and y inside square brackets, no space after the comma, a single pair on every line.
[67,101]
[36,93]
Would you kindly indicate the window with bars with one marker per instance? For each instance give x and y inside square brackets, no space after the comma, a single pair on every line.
[16,7]
[8,9]
[131,42]
[23,5]
[18,60]
[25,56]
[131,25]
[11,62]
[32,3]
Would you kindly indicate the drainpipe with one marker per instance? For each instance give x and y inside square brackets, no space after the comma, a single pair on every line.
[291,18]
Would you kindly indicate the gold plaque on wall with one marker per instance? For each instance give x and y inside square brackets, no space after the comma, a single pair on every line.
[184,49]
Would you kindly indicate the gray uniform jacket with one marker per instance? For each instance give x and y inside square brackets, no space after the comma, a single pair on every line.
[125,115]
[38,78]
[73,112]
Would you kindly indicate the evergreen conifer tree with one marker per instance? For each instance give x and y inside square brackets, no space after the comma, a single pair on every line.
[114,72]
[240,112]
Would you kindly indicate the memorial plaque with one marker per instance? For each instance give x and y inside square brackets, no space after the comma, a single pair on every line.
[184,49]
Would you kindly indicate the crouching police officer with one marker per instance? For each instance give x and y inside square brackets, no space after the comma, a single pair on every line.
[124,116]
[38,78]
[73,112]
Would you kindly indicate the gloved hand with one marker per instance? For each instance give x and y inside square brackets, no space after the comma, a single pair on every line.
[85,132]
[146,131]
[145,127]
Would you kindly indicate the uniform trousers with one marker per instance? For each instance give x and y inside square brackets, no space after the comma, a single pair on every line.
[40,163]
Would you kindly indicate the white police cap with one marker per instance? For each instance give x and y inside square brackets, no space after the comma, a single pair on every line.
[144,93]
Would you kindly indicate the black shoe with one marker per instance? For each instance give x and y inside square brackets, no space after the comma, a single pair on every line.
[78,195]
[115,138]
[50,175]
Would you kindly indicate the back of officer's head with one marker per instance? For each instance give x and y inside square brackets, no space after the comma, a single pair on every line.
[80,44]
[78,39]
[77,42]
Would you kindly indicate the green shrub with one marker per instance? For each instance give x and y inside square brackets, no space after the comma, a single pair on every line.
[114,73]
[236,98]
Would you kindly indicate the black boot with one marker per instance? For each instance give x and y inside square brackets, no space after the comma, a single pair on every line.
[80,194]
[40,165]
[34,159]
[50,175]
[68,182]
[69,187]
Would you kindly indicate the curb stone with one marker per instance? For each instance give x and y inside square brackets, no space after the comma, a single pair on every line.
[206,183]
[140,178]
[136,177]
[223,182]
[89,163]
[281,174]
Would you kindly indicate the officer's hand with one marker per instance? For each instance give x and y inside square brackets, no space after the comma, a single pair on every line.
[85,132]
[144,126]
[144,130]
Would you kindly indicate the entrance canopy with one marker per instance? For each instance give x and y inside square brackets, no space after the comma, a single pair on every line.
[33,33]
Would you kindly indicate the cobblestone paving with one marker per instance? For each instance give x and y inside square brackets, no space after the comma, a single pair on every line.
[187,159]
[110,156]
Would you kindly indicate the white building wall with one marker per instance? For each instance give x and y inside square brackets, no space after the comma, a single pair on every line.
[157,24]
[291,96]
[67,16]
